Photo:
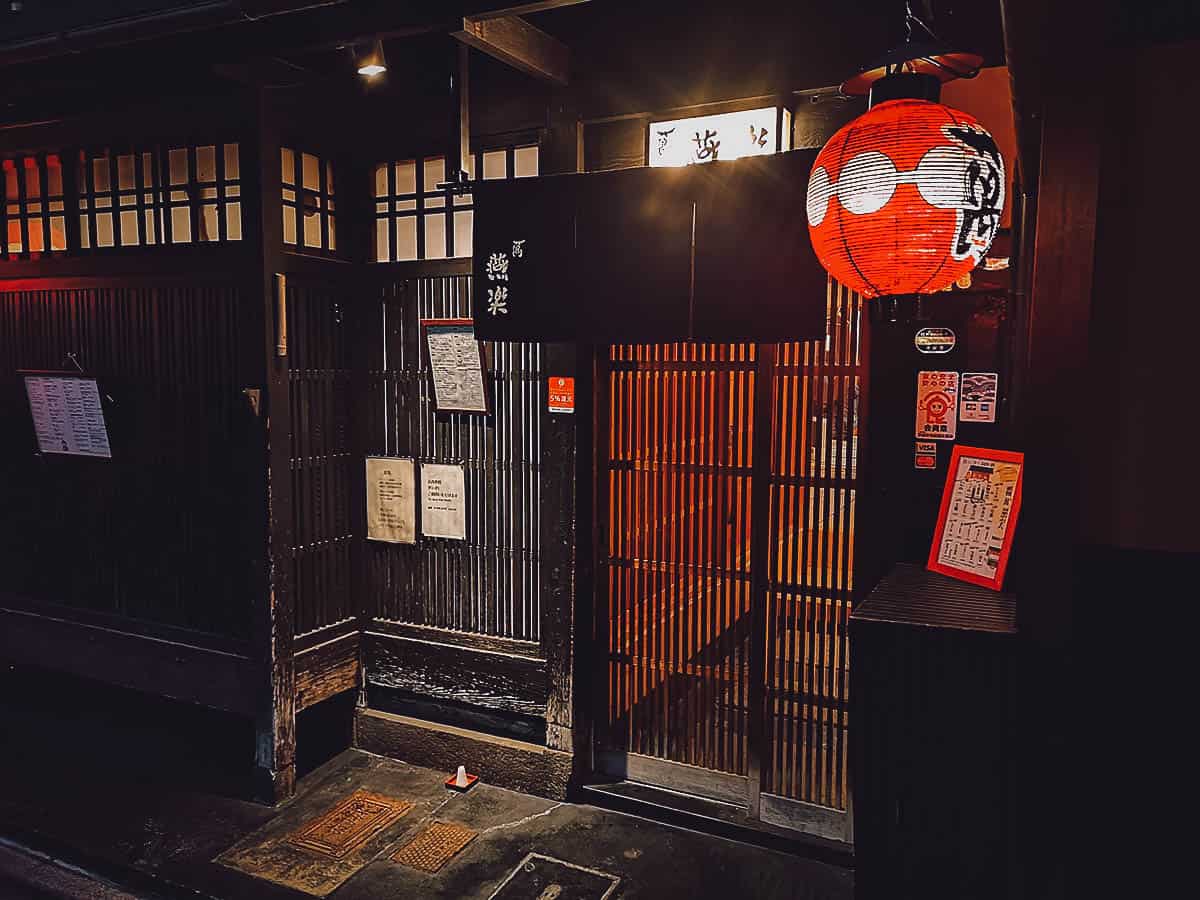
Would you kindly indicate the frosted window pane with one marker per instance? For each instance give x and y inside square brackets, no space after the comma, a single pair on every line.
[179,166]
[435,237]
[494,164]
[289,225]
[206,163]
[382,249]
[525,162]
[381,180]
[129,235]
[54,180]
[85,239]
[402,205]
[33,182]
[233,221]
[150,227]
[332,233]
[125,172]
[10,181]
[58,233]
[36,238]
[208,224]
[435,173]
[100,173]
[406,238]
[462,232]
[406,177]
[328,177]
[310,171]
[181,225]
[148,170]
[787,130]
[104,230]
[312,230]
[438,201]
[232,163]
[288,162]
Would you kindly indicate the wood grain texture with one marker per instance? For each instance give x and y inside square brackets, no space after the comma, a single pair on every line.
[514,41]
[444,672]
[507,763]
[212,678]
[326,669]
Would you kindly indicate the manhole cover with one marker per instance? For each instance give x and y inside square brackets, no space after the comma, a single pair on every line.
[433,847]
[349,825]
[539,877]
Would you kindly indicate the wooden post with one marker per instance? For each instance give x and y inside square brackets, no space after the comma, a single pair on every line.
[566,458]
[760,550]
[275,718]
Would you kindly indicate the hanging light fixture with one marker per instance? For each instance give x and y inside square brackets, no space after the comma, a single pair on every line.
[907,198]
[372,62]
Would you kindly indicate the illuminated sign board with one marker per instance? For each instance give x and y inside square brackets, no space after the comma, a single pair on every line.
[751,132]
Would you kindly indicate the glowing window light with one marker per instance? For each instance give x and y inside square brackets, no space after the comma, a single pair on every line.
[751,132]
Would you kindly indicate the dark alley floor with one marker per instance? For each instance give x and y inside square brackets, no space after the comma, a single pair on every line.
[166,843]
[117,797]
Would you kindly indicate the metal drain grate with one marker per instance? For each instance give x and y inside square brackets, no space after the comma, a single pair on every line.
[350,824]
[433,847]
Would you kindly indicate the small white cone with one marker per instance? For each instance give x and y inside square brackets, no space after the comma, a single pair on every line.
[460,780]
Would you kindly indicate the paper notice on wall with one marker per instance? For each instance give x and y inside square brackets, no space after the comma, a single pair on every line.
[979,391]
[454,358]
[391,500]
[937,405]
[67,416]
[443,502]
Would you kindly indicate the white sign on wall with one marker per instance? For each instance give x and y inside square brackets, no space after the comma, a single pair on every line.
[751,132]
[443,502]
[67,416]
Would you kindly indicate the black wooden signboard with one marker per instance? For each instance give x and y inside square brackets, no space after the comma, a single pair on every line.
[718,251]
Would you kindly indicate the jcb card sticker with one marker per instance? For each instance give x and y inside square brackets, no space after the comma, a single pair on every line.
[925,456]
[937,405]
[979,391]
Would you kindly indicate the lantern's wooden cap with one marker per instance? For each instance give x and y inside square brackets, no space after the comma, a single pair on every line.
[916,58]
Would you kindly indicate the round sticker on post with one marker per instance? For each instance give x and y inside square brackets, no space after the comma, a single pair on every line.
[934,340]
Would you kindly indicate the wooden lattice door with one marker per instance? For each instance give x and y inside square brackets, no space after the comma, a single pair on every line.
[725,627]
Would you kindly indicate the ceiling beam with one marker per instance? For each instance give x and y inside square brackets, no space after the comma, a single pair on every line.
[520,9]
[514,41]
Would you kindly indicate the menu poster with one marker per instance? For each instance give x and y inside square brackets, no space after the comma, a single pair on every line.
[67,417]
[978,515]
[443,502]
[456,362]
[391,500]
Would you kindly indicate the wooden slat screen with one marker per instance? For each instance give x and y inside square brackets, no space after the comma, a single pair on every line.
[814,471]
[676,505]
[678,551]
[167,530]
[319,376]
[489,583]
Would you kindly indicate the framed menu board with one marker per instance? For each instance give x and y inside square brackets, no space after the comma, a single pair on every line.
[978,515]
[457,365]
[67,416]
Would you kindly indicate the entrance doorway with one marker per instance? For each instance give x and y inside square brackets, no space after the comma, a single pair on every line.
[726,506]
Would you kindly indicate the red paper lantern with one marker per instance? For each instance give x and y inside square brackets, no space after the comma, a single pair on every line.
[905,199]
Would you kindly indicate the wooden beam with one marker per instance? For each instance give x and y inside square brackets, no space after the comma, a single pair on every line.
[521,9]
[165,668]
[514,41]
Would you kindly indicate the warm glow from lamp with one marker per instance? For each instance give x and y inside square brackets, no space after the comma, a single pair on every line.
[372,62]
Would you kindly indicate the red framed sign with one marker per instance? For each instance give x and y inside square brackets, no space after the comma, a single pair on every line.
[978,515]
